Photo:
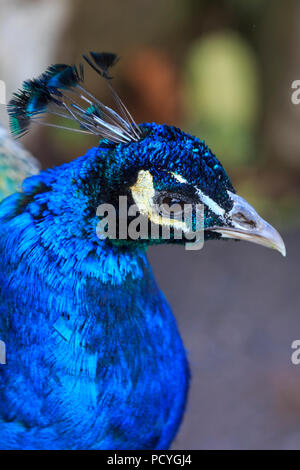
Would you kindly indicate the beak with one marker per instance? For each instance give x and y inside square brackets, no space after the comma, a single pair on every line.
[244,223]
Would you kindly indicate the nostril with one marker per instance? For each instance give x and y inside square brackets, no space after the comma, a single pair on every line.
[241,219]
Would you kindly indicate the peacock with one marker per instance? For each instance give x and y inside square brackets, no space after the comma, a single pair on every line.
[94,359]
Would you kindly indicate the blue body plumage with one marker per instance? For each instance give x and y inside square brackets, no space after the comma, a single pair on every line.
[94,357]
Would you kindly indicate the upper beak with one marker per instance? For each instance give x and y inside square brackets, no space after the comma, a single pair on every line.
[244,223]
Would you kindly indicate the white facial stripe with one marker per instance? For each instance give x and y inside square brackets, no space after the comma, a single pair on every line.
[210,203]
[179,178]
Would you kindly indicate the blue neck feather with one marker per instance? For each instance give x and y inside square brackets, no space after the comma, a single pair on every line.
[94,358]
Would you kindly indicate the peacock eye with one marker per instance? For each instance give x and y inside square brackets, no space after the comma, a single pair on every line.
[170,201]
[171,206]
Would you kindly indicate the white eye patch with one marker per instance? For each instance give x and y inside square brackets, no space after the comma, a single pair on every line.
[143,193]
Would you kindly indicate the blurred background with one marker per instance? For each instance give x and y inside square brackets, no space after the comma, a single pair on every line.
[221,70]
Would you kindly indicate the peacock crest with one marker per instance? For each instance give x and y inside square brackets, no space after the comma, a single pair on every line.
[59,91]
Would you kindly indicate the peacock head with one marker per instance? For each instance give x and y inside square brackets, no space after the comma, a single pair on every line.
[163,172]
[166,174]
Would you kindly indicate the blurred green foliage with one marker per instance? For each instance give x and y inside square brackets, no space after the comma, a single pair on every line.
[222,95]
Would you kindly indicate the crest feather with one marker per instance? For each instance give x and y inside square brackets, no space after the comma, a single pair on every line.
[59,91]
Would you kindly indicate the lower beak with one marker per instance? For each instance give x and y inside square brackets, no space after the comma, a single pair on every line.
[244,223]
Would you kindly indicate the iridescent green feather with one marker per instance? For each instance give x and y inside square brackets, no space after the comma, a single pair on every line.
[15,164]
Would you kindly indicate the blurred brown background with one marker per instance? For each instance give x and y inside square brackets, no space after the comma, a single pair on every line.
[221,70]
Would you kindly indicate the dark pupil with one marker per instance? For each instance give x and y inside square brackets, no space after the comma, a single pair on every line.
[168,208]
[171,200]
